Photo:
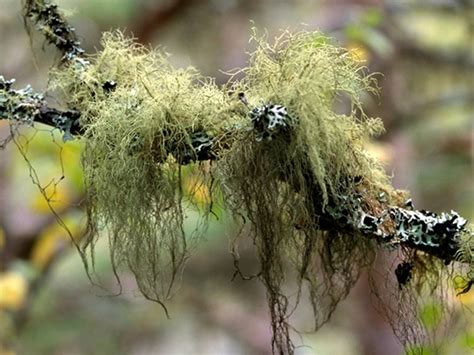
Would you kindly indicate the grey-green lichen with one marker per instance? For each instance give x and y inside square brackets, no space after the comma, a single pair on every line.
[134,184]
[465,255]
[143,120]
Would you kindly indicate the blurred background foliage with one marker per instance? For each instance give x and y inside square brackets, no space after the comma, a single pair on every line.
[425,50]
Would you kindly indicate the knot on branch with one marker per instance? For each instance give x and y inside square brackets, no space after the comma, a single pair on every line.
[403,272]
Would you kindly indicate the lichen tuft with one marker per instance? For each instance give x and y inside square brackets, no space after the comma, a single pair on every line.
[287,162]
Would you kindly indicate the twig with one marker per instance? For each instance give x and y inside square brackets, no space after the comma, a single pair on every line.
[26,107]
[51,23]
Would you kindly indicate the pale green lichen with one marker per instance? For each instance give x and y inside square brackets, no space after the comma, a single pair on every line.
[137,131]
[465,255]
[308,75]
[284,185]
[134,189]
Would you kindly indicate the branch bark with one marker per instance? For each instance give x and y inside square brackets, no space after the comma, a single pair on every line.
[24,106]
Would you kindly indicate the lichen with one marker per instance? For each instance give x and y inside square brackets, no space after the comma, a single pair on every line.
[137,135]
[465,254]
[287,184]
[287,162]
[308,75]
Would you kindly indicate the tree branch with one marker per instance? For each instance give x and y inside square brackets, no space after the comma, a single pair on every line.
[26,107]
[52,24]
[434,234]
[437,235]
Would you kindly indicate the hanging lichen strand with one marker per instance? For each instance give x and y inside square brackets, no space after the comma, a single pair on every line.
[288,177]
[319,206]
[142,120]
[286,161]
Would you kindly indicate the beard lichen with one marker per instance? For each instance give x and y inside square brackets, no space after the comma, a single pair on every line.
[284,184]
[465,255]
[143,120]
[308,76]
[145,110]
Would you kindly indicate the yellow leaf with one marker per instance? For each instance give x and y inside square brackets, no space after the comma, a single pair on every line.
[197,189]
[50,241]
[358,52]
[467,298]
[56,195]
[460,283]
[13,291]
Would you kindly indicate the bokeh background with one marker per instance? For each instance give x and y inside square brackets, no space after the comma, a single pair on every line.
[425,50]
